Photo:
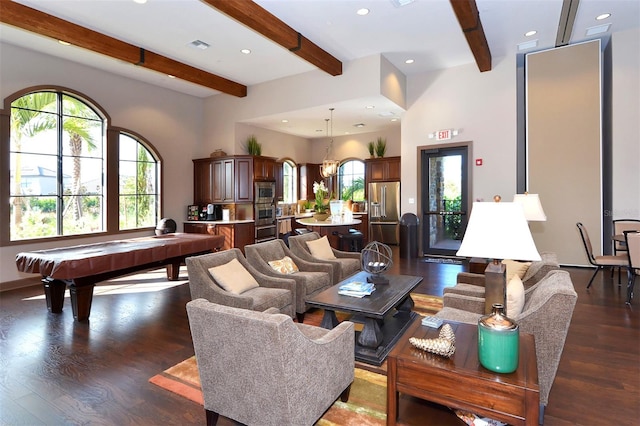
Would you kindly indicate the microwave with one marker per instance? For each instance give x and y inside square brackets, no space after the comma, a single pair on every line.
[264,192]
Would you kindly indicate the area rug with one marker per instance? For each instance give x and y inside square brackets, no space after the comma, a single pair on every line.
[367,399]
[367,403]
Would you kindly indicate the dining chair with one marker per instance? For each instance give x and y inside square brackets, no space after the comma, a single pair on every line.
[632,239]
[619,226]
[600,262]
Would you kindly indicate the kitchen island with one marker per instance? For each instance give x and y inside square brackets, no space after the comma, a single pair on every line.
[330,227]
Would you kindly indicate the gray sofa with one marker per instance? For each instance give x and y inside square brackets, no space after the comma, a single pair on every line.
[344,265]
[261,368]
[546,314]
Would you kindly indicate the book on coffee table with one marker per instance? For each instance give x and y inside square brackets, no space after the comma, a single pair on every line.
[356,289]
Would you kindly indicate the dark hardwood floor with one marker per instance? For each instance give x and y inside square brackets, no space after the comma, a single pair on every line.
[56,371]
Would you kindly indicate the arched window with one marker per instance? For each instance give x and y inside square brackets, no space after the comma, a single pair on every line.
[57,163]
[351,180]
[58,170]
[289,182]
[138,188]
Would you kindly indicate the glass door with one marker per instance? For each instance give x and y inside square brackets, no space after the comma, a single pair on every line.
[444,199]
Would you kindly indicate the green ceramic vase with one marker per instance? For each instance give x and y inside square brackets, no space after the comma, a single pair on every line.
[498,341]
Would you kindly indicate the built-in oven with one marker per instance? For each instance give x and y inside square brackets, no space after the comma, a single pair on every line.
[265,222]
[264,192]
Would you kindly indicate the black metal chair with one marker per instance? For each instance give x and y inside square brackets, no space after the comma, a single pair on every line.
[632,240]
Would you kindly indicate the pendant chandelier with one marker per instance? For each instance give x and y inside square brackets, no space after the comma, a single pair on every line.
[329,167]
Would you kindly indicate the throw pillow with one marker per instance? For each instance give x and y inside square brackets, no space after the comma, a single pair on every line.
[516,268]
[515,297]
[321,249]
[233,277]
[284,265]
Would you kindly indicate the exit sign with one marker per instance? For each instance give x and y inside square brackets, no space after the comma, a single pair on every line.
[443,135]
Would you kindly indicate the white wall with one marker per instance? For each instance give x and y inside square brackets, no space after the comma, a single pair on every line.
[482,106]
[171,121]
[626,124]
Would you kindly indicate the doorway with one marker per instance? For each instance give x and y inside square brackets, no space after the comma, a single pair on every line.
[445,199]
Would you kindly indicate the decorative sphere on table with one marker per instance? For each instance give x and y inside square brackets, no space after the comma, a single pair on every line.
[376,258]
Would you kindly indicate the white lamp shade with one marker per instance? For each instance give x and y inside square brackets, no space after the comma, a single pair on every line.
[498,231]
[531,206]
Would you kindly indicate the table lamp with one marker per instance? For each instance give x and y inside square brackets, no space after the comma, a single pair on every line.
[531,206]
[497,231]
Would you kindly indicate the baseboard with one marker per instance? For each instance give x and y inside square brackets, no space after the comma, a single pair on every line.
[21,283]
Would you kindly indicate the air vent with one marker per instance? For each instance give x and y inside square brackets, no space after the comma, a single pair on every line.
[597,30]
[527,45]
[198,44]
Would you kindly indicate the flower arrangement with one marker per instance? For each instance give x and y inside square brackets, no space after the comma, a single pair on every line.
[321,192]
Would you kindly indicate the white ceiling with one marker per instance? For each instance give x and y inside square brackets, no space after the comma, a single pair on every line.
[425,30]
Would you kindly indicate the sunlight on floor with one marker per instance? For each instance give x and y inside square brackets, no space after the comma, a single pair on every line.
[145,282]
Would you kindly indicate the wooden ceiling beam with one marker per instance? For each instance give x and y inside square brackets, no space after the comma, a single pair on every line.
[262,21]
[469,18]
[33,20]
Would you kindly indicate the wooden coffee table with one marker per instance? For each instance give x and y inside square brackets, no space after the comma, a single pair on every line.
[460,381]
[386,313]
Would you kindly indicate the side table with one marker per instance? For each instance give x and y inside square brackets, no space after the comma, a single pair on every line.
[460,381]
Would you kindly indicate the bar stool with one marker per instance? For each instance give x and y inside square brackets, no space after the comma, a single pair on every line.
[351,241]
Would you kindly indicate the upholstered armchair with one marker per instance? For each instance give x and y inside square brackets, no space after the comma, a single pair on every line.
[311,277]
[548,308]
[270,292]
[260,368]
[344,263]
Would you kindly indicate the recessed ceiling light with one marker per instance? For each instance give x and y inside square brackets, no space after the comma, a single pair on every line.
[171,76]
[598,29]
[370,107]
[245,51]
[363,11]
[198,44]
[409,61]
[530,33]
[140,1]
[284,120]
[394,119]
[64,43]
[603,16]
[359,125]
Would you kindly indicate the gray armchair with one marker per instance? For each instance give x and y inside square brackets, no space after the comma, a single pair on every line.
[279,293]
[546,314]
[263,369]
[312,278]
[345,264]
[471,284]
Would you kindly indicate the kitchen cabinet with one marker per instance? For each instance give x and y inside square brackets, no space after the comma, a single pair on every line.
[279,174]
[244,179]
[382,169]
[264,168]
[236,235]
[223,180]
[309,173]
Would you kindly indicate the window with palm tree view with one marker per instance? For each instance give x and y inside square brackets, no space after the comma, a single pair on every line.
[58,169]
[351,180]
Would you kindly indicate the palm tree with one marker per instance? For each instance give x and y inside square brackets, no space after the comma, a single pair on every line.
[27,120]
[349,191]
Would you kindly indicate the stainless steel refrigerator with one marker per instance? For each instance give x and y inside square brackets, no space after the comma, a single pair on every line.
[384,211]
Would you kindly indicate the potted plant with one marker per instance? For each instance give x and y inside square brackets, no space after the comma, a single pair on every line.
[381,147]
[320,207]
[308,206]
[372,146]
[253,147]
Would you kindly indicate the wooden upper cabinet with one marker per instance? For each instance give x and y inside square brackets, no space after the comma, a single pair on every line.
[264,168]
[244,179]
[279,173]
[223,180]
[382,169]
[202,181]
[309,173]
